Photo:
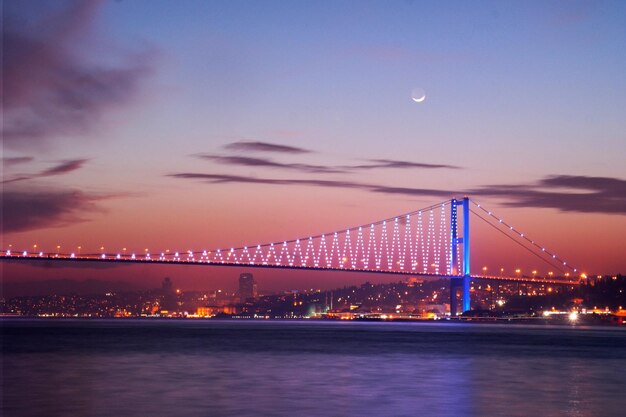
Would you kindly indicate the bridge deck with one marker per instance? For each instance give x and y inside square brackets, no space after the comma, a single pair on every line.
[156,261]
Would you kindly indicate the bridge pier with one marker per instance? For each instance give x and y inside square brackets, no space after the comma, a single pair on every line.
[458,280]
[456,283]
[453,296]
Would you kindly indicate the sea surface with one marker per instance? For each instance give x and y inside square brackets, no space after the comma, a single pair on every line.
[192,368]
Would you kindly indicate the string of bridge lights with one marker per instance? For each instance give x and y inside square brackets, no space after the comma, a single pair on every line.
[349,253]
[315,251]
[327,251]
[511,229]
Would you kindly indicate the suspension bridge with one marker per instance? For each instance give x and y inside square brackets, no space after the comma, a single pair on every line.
[433,241]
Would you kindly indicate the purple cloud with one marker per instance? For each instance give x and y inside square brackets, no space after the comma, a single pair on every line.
[225,179]
[606,185]
[255,146]
[603,195]
[38,210]
[389,163]
[588,195]
[327,169]
[16,160]
[16,179]
[48,88]
[62,168]
[267,163]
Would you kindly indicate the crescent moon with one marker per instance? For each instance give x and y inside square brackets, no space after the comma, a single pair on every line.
[420,99]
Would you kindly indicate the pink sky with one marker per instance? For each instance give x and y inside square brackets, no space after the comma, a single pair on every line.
[209,124]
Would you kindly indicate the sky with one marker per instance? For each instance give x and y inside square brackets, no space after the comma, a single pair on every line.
[205,124]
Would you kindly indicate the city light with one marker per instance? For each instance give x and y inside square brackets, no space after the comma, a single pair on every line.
[421,244]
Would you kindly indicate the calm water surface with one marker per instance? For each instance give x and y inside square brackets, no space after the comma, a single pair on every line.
[231,368]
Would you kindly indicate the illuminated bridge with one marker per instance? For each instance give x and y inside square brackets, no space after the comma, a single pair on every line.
[433,241]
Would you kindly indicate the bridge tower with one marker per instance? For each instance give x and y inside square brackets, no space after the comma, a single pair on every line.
[459,279]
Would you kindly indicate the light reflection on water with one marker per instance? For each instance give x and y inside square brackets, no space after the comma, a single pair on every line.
[213,368]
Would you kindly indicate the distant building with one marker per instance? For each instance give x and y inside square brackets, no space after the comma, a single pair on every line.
[247,287]
[168,296]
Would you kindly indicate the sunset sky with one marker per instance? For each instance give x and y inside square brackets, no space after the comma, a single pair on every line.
[204,124]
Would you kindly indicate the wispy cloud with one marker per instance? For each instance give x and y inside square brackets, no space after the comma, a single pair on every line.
[62,168]
[587,195]
[413,191]
[389,163]
[16,160]
[225,179]
[49,88]
[314,168]
[256,146]
[614,186]
[42,209]
[268,163]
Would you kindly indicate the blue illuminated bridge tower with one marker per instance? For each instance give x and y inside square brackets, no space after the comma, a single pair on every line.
[458,278]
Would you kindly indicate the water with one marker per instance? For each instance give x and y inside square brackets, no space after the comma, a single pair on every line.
[286,368]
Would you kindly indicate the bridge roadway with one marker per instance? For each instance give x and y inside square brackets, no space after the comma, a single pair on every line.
[191,261]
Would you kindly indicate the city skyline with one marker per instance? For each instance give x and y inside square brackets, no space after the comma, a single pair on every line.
[151,125]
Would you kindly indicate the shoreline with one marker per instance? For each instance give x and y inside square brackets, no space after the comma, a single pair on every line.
[538,321]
